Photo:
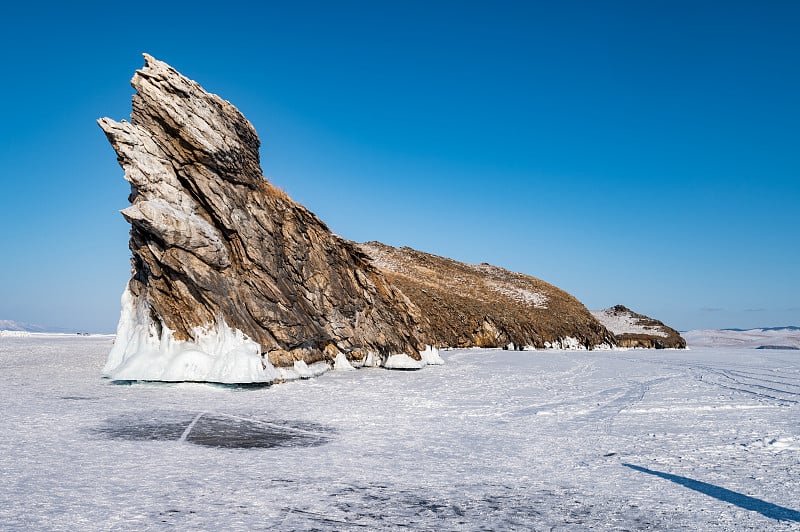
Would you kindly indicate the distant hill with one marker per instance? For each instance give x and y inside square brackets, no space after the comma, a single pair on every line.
[763,338]
[637,330]
[11,325]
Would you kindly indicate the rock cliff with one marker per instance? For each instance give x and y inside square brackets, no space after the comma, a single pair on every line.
[226,269]
[466,305]
[232,281]
[636,330]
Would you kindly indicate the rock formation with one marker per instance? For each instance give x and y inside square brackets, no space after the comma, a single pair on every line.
[232,281]
[636,330]
[229,276]
[465,305]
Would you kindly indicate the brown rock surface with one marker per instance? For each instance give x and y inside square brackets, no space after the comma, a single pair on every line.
[231,277]
[465,305]
[213,241]
[637,330]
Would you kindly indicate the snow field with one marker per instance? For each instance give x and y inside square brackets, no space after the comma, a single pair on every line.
[706,439]
[741,339]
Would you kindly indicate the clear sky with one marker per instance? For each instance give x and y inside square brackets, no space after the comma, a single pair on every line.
[643,153]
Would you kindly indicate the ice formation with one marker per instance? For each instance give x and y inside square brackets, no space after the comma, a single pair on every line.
[431,356]
[301,370]
[147,351]
[403,361]
[341,363]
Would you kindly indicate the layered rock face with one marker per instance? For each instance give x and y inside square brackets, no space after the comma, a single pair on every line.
[229,275]
[637,330]
[234,282]
[465,305]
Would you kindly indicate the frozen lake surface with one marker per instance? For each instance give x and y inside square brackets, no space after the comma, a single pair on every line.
[707,439]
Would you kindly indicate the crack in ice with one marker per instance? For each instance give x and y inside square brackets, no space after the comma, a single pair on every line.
[191,426]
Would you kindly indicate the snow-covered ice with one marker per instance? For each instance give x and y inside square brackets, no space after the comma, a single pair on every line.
[780,336]
[706,439]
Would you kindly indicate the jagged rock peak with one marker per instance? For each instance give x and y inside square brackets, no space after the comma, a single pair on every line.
[637,330]
[230,277]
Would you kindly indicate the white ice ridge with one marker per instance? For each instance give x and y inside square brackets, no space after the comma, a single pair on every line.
[218,353]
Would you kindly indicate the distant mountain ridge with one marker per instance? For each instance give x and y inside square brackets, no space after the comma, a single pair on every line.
[11,325]
[764,338]
[784,328]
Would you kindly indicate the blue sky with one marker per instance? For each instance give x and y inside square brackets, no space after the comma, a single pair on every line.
[643,153]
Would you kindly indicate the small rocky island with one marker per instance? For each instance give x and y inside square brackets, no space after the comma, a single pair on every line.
[234,282]
[636,330]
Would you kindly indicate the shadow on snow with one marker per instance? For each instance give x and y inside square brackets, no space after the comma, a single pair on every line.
[767,509]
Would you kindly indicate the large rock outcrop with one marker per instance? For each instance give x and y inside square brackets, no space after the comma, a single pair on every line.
[229,276]
[234,282]
[466,305]
[637,330]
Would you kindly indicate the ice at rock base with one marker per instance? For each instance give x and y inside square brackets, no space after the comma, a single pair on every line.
[301,370]
[218,353]
[568,343]
[402,361]
[342,364]
[431,356]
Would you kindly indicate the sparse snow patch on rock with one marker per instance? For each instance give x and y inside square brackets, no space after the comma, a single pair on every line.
[522,295]
[625,323]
